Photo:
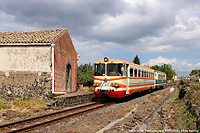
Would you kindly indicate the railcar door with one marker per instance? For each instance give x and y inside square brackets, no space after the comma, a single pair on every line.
[127,79]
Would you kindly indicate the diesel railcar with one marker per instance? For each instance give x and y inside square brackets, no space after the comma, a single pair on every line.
[119,78]
[160,78]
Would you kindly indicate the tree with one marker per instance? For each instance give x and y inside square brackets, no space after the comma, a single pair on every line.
[195,72]
[167,68]
[85,74]
[136,60]
[156,67]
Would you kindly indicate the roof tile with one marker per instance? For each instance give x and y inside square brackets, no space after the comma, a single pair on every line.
[40,36]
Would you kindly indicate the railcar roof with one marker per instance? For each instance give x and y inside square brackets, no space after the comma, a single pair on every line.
[160,72]
[122,61]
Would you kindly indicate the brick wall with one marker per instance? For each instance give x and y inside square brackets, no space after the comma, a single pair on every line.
[65,54]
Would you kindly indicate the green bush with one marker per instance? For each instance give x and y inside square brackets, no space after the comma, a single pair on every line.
[4,106]
[85,74]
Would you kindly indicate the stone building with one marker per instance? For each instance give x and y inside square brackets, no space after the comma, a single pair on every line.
[28,67]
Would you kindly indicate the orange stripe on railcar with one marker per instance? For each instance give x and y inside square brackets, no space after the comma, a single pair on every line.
[141,85]
[111,79]
[140,78]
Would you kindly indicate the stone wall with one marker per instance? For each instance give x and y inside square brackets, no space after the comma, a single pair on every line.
[20,85]
[71,101]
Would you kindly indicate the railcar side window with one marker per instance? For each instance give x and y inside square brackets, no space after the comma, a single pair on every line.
[99,69]
[139,71]
[131,72]
[135,73]
[115,69]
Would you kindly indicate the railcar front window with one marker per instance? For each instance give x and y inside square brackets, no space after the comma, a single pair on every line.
[115,69]
[99,69]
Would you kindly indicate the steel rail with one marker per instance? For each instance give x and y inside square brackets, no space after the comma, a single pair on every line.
[57,119]
[46,115]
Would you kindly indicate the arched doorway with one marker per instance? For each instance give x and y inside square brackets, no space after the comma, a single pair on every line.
[68,77]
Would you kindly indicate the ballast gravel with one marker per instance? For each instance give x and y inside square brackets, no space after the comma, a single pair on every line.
[96,120]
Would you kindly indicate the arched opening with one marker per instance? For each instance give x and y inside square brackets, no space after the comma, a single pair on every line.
[68,77]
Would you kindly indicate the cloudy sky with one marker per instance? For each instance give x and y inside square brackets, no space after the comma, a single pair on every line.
[158,31]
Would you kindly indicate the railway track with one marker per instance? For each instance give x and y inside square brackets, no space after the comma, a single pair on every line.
[35,122]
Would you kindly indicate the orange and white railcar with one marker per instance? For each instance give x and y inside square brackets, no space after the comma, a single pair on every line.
[119,78]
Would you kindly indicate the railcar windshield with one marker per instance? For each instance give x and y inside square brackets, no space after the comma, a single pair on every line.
[114,69]
[99,69]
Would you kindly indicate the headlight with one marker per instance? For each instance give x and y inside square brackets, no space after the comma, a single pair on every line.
[94,84]
[116,85]
[97,84]
[105,59]
[113,84]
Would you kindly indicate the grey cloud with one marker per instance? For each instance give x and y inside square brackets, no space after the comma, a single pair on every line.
[81,16]
[76,15]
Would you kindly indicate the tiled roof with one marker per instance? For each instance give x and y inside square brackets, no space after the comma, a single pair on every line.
[30,37]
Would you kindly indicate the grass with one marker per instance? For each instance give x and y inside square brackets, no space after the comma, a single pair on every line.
[60,98]
[23,105]
[66,121]
[4,106]
[184,117]
[163,125]
[22,108]
[153,94]
[91,89]
[176,124]
[164,94]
